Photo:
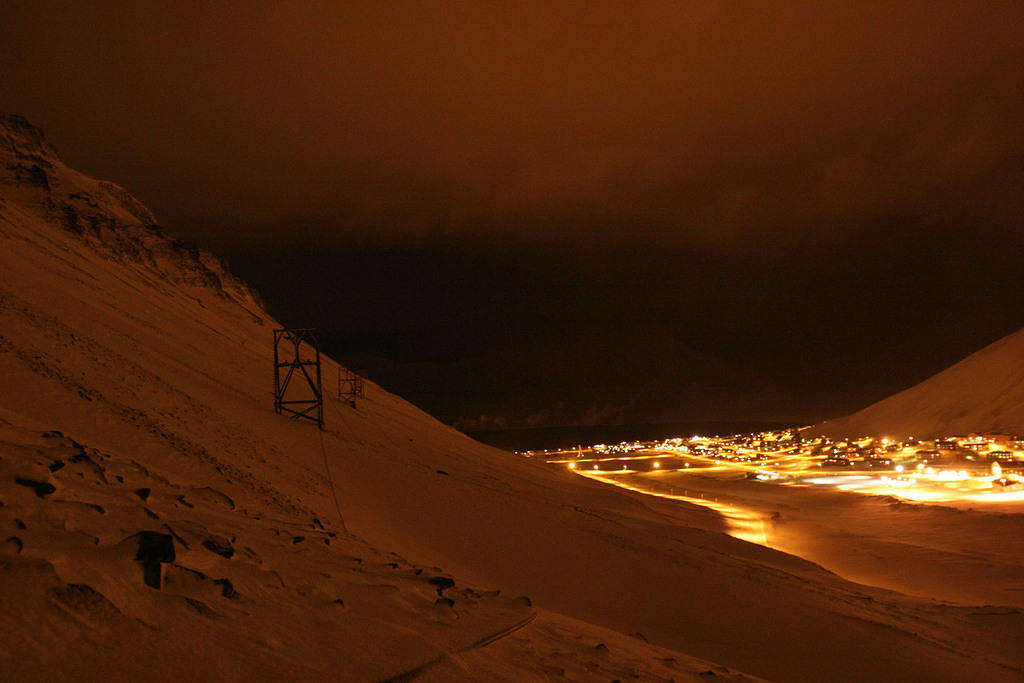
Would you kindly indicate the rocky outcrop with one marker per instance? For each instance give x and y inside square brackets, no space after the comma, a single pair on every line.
[102,213]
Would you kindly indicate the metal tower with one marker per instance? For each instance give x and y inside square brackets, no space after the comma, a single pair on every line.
[350,386]
[297,350]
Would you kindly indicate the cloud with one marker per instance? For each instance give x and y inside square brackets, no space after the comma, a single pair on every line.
[529,120]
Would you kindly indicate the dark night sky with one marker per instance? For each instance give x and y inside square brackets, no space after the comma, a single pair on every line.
[538,213]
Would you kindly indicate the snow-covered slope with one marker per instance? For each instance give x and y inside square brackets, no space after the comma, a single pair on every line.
[158,519]
[983,393]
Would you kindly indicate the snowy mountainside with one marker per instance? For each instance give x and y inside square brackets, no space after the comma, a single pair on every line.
[983,393]
[157,518]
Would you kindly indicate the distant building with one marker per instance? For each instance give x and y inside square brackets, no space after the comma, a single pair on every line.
[1000,456]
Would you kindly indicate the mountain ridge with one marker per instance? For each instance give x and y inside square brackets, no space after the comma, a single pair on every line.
[982,393]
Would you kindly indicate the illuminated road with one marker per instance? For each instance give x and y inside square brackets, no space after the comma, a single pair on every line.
[740,522]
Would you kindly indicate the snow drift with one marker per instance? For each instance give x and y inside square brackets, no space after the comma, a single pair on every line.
[983,393]
[158,520]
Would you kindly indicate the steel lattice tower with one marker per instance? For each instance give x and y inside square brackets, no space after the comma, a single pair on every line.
[297,350]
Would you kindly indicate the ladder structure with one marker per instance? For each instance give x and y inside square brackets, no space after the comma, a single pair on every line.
[297,351]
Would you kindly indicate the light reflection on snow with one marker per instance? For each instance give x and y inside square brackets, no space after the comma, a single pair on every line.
[740,522]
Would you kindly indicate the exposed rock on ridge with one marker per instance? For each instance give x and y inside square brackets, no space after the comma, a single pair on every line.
[104,214]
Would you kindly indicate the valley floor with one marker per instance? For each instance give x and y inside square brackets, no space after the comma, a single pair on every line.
[966,553]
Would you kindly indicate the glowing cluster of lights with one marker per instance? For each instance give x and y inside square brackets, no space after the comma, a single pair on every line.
[972,467]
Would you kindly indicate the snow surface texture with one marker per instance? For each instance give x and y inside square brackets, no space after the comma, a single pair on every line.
[982,394]
[158,520]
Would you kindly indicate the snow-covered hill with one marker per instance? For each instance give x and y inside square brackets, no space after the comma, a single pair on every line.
[158,520]
[983,393]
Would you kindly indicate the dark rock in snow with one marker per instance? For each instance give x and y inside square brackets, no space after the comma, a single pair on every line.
[226,588]
[41,488]
[154,549]
[442,583]
[201,608]
[85,600]
[223,549]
